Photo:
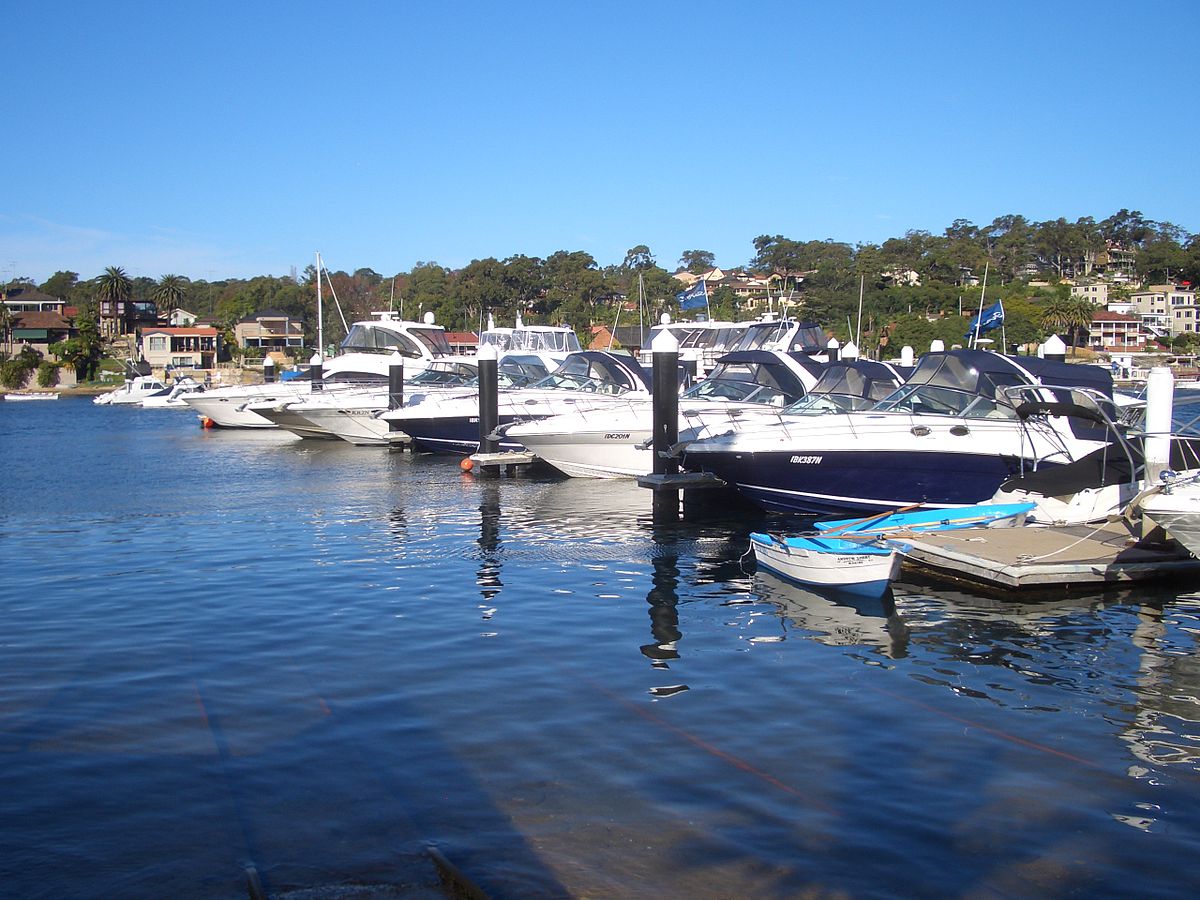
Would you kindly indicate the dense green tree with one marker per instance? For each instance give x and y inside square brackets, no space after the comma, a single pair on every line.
[639,258]
[697,261]
[60,284]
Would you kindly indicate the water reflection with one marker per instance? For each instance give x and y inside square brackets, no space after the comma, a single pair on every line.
[488,574]
[837,618]
[663,598]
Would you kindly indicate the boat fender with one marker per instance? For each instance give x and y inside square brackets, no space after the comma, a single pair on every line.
[206,422]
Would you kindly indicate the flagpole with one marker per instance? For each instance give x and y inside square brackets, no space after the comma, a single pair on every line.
[979,318]
[707,308]
[862,280]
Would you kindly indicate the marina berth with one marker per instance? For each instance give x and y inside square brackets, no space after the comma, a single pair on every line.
[946,437]
[615,441]
[363,358]
[589,379]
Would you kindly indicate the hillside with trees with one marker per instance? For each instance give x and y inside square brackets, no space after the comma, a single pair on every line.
[915,287]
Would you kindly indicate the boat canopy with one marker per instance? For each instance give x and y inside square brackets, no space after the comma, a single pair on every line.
[755,376]
[598,371]
[849,385]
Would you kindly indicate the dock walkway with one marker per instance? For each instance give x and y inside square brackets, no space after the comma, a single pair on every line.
[1053,557]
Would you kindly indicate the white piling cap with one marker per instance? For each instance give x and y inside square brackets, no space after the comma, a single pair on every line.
[395,359]
[833,344]
[315,360]
[429,317]
[664,342]
[1054,345]
[937,346]
[487,352]
[664,319]
[907,355]
[267,361]
[850,351]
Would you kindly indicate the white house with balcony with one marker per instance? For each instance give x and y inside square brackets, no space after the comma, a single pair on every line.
[181,348]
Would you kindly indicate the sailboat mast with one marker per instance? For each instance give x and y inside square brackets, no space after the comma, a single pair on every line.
[320,320]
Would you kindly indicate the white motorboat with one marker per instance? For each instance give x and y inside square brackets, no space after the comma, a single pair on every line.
[172,398]
[588,379]
[947,437]
[31,395]
[135,390]
[356,418]
[615,441]
[365,357]
[1174,505]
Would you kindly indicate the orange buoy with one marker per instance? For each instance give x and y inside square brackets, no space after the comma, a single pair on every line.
[206,422]
[466,465]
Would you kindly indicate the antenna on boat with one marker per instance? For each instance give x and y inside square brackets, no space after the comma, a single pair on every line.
[979,318]
[320,320]
[392,301]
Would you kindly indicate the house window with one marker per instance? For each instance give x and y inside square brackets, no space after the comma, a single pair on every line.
[158,343]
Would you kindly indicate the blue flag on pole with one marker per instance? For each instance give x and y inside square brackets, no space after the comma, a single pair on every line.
[992,317]
[695,297]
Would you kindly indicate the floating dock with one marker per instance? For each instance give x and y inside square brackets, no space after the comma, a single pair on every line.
[1054,557]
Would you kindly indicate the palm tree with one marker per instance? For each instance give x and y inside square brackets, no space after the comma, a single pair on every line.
[170,291]
[1069,314]
[115,287]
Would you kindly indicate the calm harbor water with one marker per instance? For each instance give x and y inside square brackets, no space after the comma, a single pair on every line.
[225,649]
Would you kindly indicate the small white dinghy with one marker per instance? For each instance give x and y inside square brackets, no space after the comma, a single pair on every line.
[863,567]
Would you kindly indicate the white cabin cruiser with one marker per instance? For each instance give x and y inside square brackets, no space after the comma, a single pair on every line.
[353,415]
[172,397]
[615,440]
[364,358]
[947,437]
[587,379]
[135,389]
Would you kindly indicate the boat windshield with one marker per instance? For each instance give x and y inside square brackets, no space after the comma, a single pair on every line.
[445,373]
[414,343]
[842,389]
[744,382]
[501,339]
[588,373]
[950,385]
[520,371]
[545,340]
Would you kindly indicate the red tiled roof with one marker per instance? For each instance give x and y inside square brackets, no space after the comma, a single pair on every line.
[461,337]
[38,320]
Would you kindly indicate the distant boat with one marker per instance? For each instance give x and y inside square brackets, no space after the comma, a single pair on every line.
[32,395]
[863,567]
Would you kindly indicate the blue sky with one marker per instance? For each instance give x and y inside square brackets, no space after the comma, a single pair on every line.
[227,139]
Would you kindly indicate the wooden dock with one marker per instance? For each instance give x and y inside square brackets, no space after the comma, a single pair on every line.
[1059,557]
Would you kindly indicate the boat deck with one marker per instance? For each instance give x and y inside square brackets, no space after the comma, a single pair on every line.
[1084,556]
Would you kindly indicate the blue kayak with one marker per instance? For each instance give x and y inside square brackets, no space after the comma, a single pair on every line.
[980,515]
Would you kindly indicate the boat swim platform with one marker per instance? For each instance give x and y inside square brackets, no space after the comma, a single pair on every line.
[503,459]
[1051,557]
[675,481]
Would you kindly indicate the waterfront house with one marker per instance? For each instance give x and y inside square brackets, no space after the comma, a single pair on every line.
[196,347]
[270,329]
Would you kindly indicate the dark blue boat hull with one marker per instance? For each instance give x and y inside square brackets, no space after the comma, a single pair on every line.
[451,434]
[857,481]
